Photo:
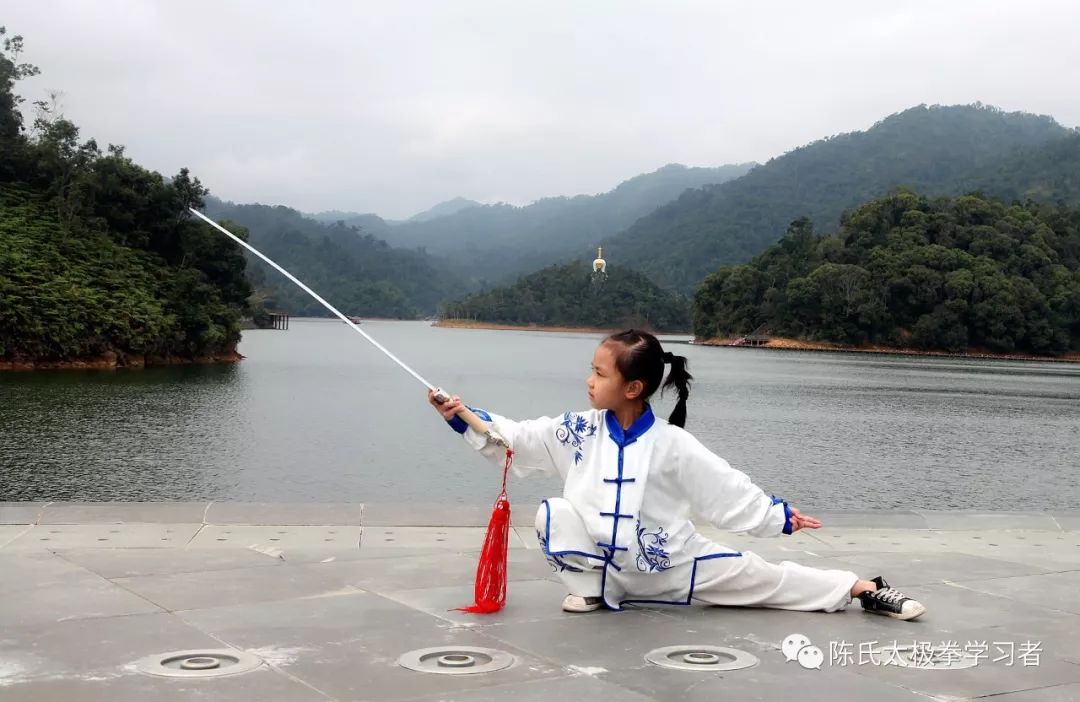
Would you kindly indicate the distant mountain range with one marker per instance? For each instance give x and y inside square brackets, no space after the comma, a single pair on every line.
[356,272]
[934,150]
[499,242]
[444,209]
[678,224]
[405,269]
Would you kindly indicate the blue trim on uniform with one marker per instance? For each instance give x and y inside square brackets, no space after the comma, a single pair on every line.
[547,540]
[622,439]
[626,437]
[460,426]
[787,513]
[693,582]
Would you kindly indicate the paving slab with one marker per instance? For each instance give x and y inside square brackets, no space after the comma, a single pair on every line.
[301,514]
[358,586]
[580,686]
[986,679]
[92,660]
[20,572]
[20,512]
[964,520]
[126,563]
[1060,591]
[264,685]
[54,537]
[123,513]
[532,600]
[613,646]
[527,536]
[437,515]
[764,683]
[961,613]
[287,537]
[1049,548]
[873,519]
[1054,693]
[1068,521]
[347,645]
[801,540]
[428,537]
[80,596]
[954,615]
[11,532]
[368,552]
[906,569]
[767,628]
[435,570]
[180,591]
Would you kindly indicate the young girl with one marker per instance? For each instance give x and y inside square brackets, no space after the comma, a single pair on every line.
[621,533]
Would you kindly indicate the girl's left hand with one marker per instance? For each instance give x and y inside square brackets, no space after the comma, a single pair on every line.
[801,521]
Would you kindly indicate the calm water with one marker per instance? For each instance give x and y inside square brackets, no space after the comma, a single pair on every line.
[317,414]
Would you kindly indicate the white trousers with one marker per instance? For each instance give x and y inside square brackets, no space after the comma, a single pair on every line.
[747,580]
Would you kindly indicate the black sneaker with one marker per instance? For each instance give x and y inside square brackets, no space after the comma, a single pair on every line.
[890,602]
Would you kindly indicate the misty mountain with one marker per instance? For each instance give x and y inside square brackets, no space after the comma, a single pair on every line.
[356,272]
[935,150]
[444,208]
[497,242]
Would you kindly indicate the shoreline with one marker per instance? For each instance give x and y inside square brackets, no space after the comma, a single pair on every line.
[498,326]
[113,361]
[785,344]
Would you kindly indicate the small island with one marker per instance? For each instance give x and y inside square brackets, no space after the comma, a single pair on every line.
[575,296]
[966,276]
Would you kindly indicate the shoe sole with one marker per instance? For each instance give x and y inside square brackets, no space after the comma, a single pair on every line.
[906,617]
[582,610]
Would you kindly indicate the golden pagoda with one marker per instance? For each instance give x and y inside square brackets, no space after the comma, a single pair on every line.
[599,265]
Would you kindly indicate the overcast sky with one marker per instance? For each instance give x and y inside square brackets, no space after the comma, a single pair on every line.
[391,107]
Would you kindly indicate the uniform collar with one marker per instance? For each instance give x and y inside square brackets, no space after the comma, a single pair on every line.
[626,437]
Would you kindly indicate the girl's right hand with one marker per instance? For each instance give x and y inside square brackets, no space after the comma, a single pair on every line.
[448,409]
[803,521]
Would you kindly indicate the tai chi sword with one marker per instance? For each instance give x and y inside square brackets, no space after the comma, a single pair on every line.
[468,415]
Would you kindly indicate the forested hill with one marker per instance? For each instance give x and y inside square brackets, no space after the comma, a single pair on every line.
[937,150]
[1049,172]
[356,272]
[99,261]
[952,274]
[569,295]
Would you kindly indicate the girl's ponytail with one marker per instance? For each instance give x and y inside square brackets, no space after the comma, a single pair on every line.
[679,378]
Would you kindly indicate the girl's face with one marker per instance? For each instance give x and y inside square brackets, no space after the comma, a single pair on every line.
[607,387]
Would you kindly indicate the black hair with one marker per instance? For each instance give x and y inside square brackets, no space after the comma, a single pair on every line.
[640,357]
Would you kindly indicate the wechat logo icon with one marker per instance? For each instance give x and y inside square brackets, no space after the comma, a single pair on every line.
[796,647]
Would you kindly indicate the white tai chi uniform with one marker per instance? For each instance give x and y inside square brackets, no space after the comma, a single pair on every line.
[622,528]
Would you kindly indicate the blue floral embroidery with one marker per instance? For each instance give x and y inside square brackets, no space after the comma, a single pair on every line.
[573,432]
[652,558]
[557,563]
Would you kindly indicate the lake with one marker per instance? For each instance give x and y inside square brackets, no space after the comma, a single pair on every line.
[316,413]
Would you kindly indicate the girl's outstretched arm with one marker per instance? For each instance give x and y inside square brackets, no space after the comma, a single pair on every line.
[727,498]
[533,440]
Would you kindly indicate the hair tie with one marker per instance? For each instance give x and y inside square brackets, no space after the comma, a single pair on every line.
[669,357]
